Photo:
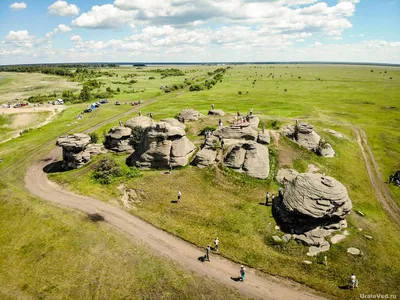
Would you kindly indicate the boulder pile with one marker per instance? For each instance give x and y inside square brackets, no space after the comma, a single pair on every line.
[162,145]
[77,150]
[189,115]
[118,139]
[305,136]
[311,208]
[141,121]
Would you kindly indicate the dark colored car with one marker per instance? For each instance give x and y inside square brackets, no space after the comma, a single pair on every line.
[117,103]
[87,110]
[103,101]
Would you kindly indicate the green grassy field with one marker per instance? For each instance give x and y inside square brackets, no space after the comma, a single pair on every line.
[219,202]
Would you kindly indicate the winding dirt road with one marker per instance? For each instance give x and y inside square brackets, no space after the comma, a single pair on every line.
[376,177]
[167,245]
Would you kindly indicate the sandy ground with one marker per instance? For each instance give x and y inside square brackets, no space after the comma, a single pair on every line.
[167,245]
[30,109]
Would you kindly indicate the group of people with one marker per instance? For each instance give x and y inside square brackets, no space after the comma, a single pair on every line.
[278,197]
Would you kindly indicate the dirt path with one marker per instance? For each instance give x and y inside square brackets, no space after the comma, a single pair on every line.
[183,253]
[376,177]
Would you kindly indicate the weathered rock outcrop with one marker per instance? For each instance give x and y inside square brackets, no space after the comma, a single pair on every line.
[248,157]
[286,175]
[174,122]
[162,145]
[76,150]
[305,136]
[141,121]
[189,115]
[264,138]
[118,139]
[216,112]
[311,200]
[237,132]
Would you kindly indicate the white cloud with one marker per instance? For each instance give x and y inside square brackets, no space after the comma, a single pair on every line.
[59,29]
[76,38]
[352,1]
[18,36]
[62,8]
[105,16]
[18,6]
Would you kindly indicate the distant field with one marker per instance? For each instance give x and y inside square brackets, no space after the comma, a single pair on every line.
[23,85]
[221,202]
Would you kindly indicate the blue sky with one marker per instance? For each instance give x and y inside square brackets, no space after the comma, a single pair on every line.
[40,31]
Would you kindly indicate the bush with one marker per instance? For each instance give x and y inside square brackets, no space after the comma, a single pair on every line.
[208,128]
[107,171]
[137,134]
[275,124]
[94,137]
[240,92]
[151,78]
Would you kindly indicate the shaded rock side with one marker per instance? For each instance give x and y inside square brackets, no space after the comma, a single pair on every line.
[216,112]
[311,200]
[264,138]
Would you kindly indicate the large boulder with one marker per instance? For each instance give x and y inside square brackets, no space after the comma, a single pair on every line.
[162,145]
[238,132]
[141,121]
[248,157]
[74,154]
[174,122]
[205,157]
[286,175]
[118,139]
[189,115]
[325,149]
[216,112]
[311,200]
[264,138]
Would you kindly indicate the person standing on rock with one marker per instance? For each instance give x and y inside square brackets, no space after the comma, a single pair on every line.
[212,106]
[222,144]
[179,196]
[208,249]
[216,243]
[120,124]
[242,273]
[220,123]
[267,199]
[238,113]
[280,194]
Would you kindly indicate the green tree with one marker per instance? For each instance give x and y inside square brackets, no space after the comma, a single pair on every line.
[85,94]
[118,90]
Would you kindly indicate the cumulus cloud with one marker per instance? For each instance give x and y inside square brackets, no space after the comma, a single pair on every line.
[59,29]
[105,16]
[76,38]
[18,6]
[62,8]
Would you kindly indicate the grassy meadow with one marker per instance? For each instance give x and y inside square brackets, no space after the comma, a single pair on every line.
[217,201]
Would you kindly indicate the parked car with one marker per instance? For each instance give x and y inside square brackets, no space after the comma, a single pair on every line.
[97,104]
[17,105]
[103,101]
[117,103]
[87,110]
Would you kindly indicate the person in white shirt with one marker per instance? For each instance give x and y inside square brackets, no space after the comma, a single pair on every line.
[216,242]
[179,196]
[353,282]
[242,272]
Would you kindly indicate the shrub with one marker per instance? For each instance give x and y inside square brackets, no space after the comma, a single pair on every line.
[240,92]
[207,128]
[118,90]
[107,171]
[137,134]
[94,137]
[275,124]
[151,78]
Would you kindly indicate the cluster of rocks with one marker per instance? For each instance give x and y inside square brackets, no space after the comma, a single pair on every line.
[245,148]
[77,150]
[312,207]
[305,136]
[163,144]
[189,115]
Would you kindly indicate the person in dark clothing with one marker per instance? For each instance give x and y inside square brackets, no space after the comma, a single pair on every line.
[267,199]
[208,250]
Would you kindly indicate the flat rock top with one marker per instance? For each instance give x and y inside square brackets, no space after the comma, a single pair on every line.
[173,122]
[163,129]
[189,115]
[216,112]
[305,128]
[119,132]
[77,141]
[141,121]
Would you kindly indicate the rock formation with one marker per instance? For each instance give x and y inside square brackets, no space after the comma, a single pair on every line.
[189,115]
[264,138]
[118,139]
[311,200]
[248,157]
[174,122]
[305,136]
[216,112]
[77,150]
[141,121]
[237,132]
[162,145]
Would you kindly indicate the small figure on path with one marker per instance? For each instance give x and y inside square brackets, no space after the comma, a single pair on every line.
[242,273]
[267,199]
[179,196]
[212,106]
[208,249]
[216,242]
[140,113]
[353,282]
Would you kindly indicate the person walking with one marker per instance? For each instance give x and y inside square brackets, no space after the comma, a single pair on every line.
[208,249]
[170,169]
[353,282]
[179,196]
[267,199]
[242,273]
[216,243]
